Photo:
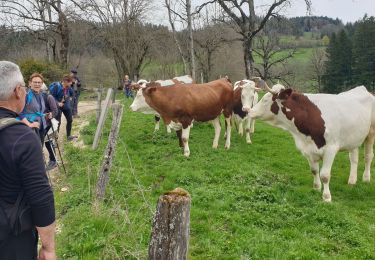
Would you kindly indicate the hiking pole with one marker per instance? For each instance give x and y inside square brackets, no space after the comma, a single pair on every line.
[58,148]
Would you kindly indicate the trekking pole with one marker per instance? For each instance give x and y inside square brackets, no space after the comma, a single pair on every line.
[58,148]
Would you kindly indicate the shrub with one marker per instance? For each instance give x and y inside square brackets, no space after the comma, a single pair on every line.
[50,71]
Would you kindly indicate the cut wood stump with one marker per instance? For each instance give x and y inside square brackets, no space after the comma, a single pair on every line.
[171,227]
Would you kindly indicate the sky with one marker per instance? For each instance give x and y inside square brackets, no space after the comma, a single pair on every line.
[345,10]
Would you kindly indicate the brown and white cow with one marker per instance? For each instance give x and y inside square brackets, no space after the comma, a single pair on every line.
[180,105]
[245,96]
[322,125]
[139,105]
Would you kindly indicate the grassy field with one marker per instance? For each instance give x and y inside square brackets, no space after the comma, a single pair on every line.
[250,202]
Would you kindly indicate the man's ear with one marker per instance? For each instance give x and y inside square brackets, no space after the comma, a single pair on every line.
[285,93]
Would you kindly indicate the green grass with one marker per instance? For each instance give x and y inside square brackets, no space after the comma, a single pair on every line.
[250,202]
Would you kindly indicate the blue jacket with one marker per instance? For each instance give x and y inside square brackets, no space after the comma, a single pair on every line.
[34,109]
[57,91]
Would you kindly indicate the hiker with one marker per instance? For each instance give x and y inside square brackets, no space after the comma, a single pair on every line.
[126,83]
[23,180]
[32,114]
[76,86]
[63,94]
[51,111]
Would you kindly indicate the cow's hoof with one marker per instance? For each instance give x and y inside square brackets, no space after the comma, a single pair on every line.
[214,146]
[317,187]
[366,178]
[352,182]
[187,154]
[227,147]
[327,197]
[249,142]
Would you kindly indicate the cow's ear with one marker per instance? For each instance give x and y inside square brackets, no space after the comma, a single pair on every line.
[150,89]
[284,94]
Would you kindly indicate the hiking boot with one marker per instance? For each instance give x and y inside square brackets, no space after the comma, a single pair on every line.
[72,137]
[51,165]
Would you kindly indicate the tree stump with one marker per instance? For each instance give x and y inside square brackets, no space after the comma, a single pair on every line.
[171,227]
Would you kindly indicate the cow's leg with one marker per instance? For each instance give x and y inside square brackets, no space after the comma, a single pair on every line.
[185,140]
[157,123]
[228,129]
[248,129]
[179,133]
[252,127]
[216,123]
[314,167]
[240,125]
[325,173]
[353,156]
[369,155]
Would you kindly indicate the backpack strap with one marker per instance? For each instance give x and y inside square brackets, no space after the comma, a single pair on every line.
[8,121]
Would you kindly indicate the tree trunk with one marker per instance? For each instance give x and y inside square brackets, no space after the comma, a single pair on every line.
[64,32]
[248,57]
[170,228]
[167,3]
[191,40]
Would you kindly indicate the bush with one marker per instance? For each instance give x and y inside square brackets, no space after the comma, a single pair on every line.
[51,72]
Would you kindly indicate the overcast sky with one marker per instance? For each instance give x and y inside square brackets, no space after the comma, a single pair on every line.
[345,10]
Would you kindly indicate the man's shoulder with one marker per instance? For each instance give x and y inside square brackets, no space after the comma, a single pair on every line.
[17,132]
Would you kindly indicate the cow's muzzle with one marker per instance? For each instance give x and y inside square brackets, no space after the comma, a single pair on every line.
[246,109]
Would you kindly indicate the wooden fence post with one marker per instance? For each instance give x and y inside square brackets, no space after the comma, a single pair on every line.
[170,227]
[103,115]
[114,95]
[117,110]
[99,103]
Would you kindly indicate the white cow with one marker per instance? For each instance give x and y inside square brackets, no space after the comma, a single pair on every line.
[139,103]
[245,96]
[322,125]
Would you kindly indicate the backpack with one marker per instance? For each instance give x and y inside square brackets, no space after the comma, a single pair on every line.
[56,90]
[16,218]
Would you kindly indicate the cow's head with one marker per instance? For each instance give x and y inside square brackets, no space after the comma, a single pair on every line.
[139,103]
[267,108]
[248,91]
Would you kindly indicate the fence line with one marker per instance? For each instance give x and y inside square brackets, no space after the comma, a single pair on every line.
[102,119]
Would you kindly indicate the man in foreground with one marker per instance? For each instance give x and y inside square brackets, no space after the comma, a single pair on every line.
[23,176]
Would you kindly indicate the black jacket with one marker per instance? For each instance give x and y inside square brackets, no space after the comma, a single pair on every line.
[22,167]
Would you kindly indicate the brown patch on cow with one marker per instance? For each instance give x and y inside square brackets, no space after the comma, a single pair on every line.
[307,116]
[237,103]
[275,108]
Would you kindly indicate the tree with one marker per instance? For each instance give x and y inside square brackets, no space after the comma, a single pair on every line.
[325,40]
[364,53]
[181,10]
[338,67]
[209,37]
[120,25]
[48,21]
[171,19]
[247,24]
[271,55]
[317,60]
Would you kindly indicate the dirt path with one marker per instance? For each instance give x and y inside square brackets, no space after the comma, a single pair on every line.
[85,108]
